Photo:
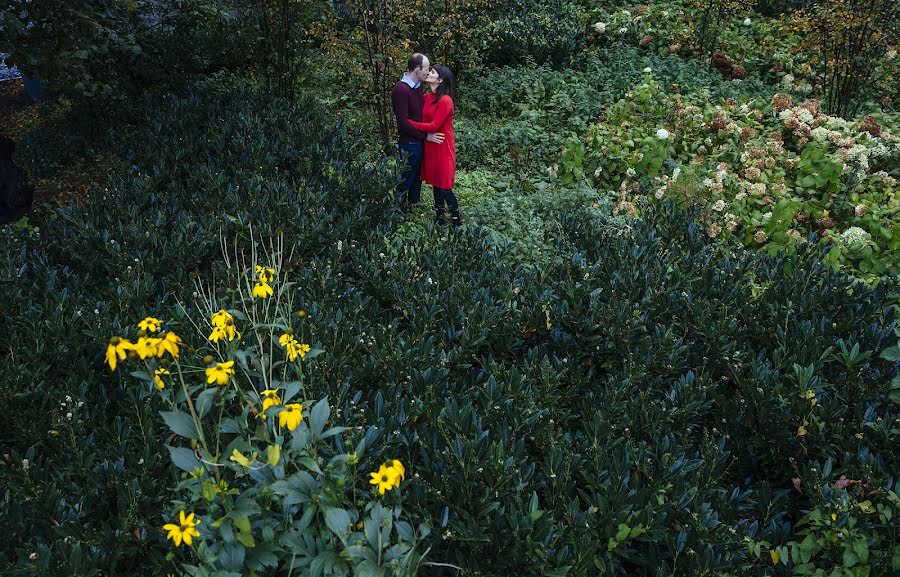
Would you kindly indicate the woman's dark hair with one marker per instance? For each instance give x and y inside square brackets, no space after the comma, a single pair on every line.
[446,86]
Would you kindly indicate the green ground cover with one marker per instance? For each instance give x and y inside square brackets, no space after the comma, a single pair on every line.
[584,368]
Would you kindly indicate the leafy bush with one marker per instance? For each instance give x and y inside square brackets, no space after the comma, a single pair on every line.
[257,459]
[636,402]
[766,173]
[87,271]
[548,32]
[519,119]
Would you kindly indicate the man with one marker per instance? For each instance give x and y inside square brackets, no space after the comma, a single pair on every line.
[15,194]
[408,99]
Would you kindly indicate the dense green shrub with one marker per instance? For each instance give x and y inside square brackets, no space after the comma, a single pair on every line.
[549,31]
[639,403]
[199,166]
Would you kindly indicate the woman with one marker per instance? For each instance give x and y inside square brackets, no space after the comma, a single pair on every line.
[439,165]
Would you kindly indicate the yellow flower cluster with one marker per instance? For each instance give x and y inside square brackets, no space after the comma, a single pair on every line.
[291,416]
[223,327]
[146,346]
[270,398]
[293,347]
[388,476]
[219,373]
[184,530]
[263,289]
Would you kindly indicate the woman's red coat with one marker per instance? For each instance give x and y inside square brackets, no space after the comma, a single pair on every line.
[439,164]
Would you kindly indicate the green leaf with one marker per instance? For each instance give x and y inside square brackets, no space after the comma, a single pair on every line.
[318,416]
[180,423]
[338,520]
[623,532]
[861,548]
[850,559]
[205,400]
[368,569]
[183,458]
[246,539]
[891,354]
[242,524]
[273,454]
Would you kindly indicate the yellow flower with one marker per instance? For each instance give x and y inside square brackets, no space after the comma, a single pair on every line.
[147,347]
[169,344]
[293,347]
[226,332]
[150,324]
[262,290]
[775,556]
[223,327]
[271,399]
[291,416]
[117,349]
[157,378]
[221,318]
[265,274]
[399,468]
[219,373]
[811,397]
[184,531]
[385,479]
[801,431]
[834,516]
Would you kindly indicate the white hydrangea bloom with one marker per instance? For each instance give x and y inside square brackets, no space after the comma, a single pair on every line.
[854,234]
[719,206]
[820,134]
[600,27]
[662,134]
[805,116]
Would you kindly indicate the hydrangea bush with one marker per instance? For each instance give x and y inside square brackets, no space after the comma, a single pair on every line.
[766,174]
[780,49]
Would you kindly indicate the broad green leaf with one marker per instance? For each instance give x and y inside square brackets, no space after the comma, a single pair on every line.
[273,454]
[180,423]
[318,416]
[338,520]
[183,458]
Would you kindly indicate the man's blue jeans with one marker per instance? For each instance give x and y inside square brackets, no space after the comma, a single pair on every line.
[410,190]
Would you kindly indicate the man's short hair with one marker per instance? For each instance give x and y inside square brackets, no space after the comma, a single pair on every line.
[415,61]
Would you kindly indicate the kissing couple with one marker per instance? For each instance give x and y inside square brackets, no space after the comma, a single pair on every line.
[425,130]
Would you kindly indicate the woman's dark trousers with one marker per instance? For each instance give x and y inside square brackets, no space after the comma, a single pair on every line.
[445,195]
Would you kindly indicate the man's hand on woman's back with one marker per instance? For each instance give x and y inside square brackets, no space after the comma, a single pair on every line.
[435,137]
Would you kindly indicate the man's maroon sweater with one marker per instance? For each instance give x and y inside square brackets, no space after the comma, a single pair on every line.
[408,103]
